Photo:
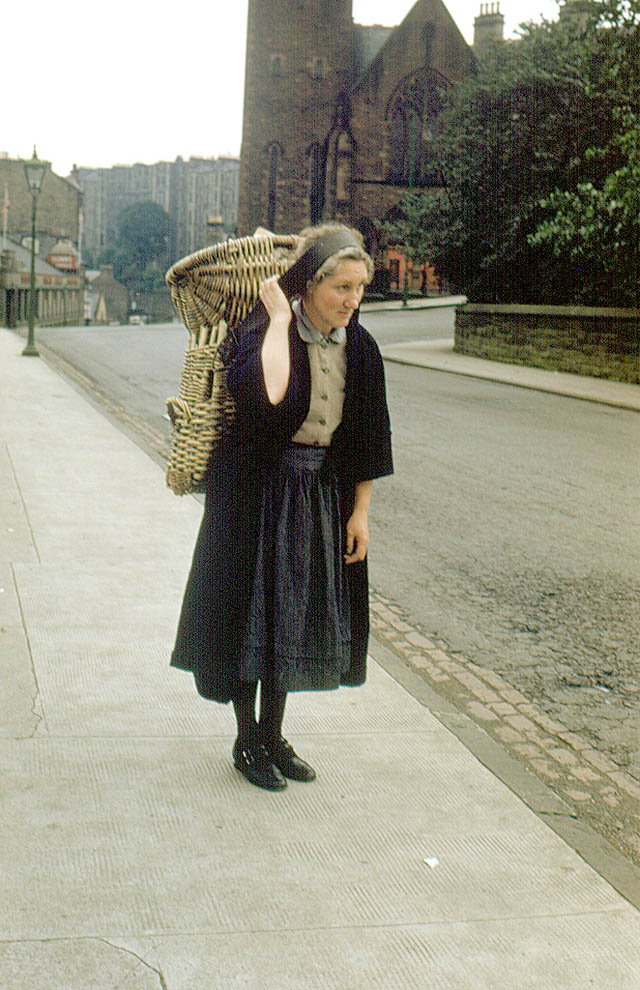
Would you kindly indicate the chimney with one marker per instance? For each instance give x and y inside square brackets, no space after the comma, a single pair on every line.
[488,26]
[576,13]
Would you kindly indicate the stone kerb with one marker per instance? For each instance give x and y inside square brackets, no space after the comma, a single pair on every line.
[586,340]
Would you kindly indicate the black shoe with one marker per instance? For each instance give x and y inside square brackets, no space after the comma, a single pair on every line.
[255,763]
[287,761]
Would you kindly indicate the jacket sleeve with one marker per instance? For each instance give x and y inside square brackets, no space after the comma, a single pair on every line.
[374,457]
[255,414]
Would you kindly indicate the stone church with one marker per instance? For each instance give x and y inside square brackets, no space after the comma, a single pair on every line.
[339,118]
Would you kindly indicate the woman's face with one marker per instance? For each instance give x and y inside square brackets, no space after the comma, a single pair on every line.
[332,302]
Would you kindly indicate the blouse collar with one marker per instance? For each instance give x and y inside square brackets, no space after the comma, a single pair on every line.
[308,332]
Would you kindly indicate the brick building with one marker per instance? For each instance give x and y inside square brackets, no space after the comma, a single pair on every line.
[59,203]
[59,285]
[340,118]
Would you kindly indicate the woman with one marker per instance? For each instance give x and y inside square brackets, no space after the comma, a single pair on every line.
[278,590]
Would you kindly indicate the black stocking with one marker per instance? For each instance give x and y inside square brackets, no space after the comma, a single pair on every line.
[272,704]
[244,705]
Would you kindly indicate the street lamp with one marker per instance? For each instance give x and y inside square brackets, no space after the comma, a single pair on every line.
[411,135]
[34,171]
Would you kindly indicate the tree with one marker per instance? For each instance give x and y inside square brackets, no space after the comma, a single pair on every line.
[535,119]
[598,230]
[595,227]
[140,251]
[409,231]
[143,232]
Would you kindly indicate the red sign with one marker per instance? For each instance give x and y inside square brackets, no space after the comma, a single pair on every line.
[63,262]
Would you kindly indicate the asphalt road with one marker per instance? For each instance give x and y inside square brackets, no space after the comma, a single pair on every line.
[509,531]
[139,367]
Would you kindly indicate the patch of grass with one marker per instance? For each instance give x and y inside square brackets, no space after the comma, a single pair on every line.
[596,364]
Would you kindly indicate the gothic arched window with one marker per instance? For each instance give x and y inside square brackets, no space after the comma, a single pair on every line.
[405,150]
[413,124]
[398,145]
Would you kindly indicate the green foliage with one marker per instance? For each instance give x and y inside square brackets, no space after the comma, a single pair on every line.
[143,231]
[139,255]
[598,230]
[535,137]
[595,226]
[409,229]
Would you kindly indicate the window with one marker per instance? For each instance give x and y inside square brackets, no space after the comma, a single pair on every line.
[413,116]
[397,151]
[404,158]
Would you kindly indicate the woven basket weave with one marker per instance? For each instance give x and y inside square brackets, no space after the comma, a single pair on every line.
[213,290]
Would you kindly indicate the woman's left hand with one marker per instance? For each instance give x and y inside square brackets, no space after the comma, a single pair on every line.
[275,301]
[357,537]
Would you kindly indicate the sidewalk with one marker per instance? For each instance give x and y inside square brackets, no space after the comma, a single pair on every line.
[424,302]
[136,857]
[440,356]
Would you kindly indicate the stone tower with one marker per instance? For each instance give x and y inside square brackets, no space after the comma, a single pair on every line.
[300,62]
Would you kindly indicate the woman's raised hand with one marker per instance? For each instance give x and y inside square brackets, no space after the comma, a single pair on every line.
[275,301]
[276,363]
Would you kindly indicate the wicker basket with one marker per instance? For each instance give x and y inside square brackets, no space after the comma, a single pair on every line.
[213,290]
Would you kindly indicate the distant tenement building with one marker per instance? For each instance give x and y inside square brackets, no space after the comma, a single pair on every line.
[193,193]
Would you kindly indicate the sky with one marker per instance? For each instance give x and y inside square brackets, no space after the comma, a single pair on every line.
[99,84]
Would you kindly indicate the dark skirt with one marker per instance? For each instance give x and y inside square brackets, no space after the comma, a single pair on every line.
[311,607]
[299,624]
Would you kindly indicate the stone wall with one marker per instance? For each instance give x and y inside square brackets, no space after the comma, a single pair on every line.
[604,343]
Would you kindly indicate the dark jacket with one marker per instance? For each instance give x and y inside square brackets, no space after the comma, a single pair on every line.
[217,596]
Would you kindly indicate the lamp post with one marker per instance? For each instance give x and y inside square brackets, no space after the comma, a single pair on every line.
[34,171]
[411,134]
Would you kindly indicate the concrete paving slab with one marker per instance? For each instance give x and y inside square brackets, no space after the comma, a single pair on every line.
[16,536]
[491,955]
[431,302]
[21,713]
[135,855]
[158,836]
[93,964]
